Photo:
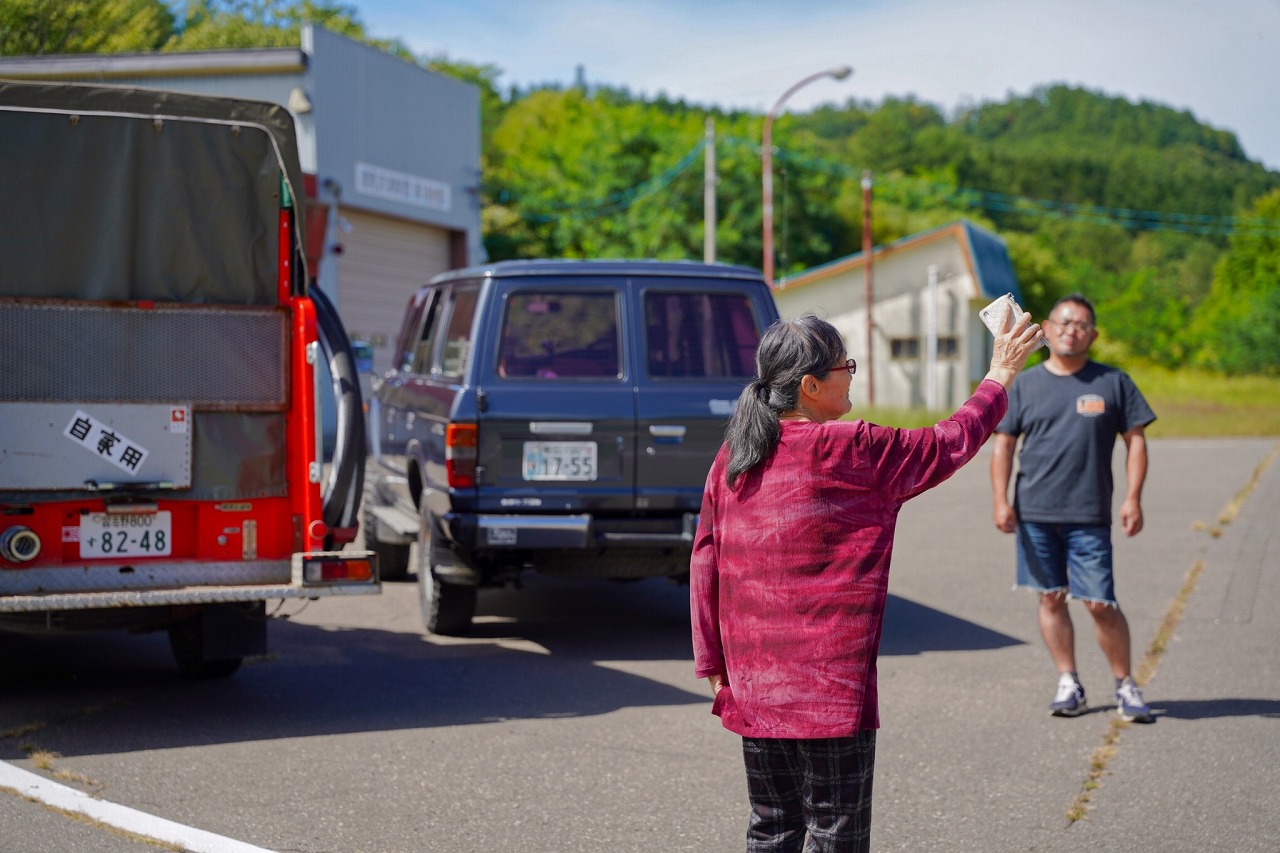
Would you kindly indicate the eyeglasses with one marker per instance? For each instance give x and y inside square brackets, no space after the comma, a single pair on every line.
[849,365]
[1078,325]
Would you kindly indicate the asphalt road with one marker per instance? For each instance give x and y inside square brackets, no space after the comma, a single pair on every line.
[570,721]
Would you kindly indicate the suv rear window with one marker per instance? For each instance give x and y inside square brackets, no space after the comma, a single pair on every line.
[700,335]
[556,335]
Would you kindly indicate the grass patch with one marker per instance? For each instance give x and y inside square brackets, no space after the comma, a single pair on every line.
[1195,404]
[75,778]
[26,729]
[1098,762]
[97,824]
[1187,403]
[904,418]
[43,758]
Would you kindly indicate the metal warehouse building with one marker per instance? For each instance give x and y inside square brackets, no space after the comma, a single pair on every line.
[391,153]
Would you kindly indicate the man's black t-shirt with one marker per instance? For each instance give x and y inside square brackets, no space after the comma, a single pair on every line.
[1069,426]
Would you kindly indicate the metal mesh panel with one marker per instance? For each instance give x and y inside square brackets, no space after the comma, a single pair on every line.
[215,358]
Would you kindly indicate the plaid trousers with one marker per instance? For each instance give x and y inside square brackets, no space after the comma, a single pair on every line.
[821,787]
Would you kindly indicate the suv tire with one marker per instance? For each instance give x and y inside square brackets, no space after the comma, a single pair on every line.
[393,558]
[447,608]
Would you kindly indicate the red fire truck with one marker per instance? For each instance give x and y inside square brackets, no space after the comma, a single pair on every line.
[160,354]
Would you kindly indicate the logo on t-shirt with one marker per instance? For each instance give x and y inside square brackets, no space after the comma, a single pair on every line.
[1090,405]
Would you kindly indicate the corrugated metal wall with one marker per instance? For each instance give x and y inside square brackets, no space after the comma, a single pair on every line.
[383,262]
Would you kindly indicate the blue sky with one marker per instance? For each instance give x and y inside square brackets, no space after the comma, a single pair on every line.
[1219,59]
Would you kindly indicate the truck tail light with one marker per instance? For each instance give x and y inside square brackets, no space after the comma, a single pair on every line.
[330,568]
[460,450]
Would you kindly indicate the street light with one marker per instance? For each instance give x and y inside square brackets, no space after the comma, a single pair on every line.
[766,160]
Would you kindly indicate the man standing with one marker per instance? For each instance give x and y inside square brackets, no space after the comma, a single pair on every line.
[1069,410]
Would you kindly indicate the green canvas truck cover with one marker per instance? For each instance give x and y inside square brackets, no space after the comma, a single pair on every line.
[139,259]
[118,193]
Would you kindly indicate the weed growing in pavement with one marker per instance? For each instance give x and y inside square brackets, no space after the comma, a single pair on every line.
[25,729]
[1146,668]
[43,758]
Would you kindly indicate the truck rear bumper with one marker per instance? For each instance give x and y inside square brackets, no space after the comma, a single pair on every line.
[189,595]
[149,584]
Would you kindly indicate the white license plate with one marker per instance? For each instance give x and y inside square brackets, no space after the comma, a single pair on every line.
[124,536]
[559,460]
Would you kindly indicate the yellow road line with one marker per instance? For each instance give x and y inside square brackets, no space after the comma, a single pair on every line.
[1146,668]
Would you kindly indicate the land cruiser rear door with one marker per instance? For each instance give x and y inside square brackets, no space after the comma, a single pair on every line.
[696,355]
[556,408]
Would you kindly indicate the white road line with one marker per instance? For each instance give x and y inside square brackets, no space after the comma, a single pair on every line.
[131,820]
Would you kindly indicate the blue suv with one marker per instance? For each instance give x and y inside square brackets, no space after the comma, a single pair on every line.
[555,416]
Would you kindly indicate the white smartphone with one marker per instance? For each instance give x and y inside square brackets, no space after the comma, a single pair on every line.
[1000,313]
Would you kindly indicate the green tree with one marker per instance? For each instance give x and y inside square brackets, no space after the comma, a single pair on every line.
[214,24]
[573,174]
[1238,326]
[43,27]
[1134,204]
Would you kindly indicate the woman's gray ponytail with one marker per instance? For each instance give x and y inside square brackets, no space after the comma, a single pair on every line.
[787,352]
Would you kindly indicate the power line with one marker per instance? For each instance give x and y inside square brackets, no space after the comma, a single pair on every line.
[960,197]
[1142,220]
[619,201]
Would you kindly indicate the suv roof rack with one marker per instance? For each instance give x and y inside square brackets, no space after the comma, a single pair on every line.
[568,266]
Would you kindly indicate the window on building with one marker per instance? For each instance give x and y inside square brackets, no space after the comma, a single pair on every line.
[908,349]
[904,349]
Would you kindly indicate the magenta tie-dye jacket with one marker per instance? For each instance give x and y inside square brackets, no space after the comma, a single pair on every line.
[790,569]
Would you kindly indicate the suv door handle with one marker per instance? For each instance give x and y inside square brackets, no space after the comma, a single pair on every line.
[671,432]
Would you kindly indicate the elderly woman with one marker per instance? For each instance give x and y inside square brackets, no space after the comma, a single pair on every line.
[790,571]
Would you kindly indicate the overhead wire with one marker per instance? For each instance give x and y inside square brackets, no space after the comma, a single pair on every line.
[1145,220]
[956,196]
[618,201]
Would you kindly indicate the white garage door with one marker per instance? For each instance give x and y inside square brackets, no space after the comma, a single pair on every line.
[384,260]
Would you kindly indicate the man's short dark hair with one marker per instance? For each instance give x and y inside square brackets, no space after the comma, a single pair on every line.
[1079,299]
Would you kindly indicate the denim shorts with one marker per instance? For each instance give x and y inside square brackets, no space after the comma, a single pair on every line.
[1072,557]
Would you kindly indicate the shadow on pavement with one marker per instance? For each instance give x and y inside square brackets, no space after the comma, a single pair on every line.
[1208,709]
[535,653]
[113,692]
[911,629]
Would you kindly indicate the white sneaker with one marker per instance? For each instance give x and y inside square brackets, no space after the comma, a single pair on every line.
[1129,703]
[1069,700]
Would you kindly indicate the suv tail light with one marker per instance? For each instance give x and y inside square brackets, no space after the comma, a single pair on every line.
[460,442]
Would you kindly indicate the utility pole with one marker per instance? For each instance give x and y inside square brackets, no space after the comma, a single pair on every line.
[766,163]
[867,250]
[709,193]
[931,342]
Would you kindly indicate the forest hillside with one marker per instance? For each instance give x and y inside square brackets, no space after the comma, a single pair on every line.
[1159,219]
